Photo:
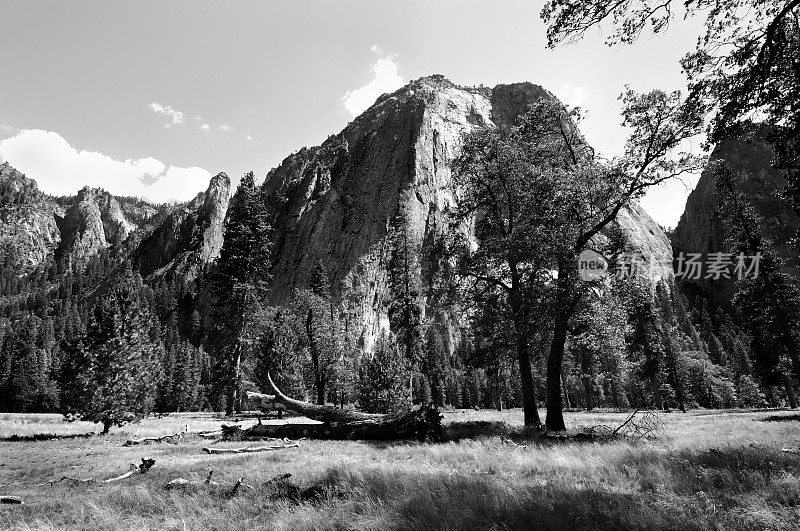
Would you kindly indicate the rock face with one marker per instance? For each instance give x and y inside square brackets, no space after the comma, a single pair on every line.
[82,227]
[27,220]
[191,236]
[649,241]
[334,203]
[183,239]
[701,231]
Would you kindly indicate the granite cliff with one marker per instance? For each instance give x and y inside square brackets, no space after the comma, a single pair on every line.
[334,204]
[178,239]
[28,230]
[749,156]
[190,237]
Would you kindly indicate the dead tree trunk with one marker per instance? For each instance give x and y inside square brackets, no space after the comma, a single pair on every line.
[335,423]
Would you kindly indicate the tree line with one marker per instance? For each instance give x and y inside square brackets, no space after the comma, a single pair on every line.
[491,313]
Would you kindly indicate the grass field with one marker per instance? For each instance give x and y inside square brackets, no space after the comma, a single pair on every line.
[706,470]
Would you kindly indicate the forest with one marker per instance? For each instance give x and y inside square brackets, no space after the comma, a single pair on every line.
[96,341]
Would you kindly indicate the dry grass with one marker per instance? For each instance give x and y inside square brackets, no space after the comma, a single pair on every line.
[720,470]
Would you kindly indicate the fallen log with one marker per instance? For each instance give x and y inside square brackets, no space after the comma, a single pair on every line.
[269,400]
[11,500]
[185,484]
[421,423]
[65,478]
[134,469]
[249,449]
[175,438]
[231,432]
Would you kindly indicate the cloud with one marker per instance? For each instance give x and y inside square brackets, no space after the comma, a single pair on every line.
[386,80]
[173,114]
[7,131]
[226,127]
[60,169]
[573,96]
[205,127]
[248,138]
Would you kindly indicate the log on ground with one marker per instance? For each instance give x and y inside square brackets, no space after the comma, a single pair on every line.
[422,423]
[250,449]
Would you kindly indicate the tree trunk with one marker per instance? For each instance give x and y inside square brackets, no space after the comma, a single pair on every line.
[676,378]
[107,426]
[787,384]
[529,407]
[566,391]
[656,384]
[421,423]
[586,376]
[614,396]
[319,383]
[555,408]
[233,389]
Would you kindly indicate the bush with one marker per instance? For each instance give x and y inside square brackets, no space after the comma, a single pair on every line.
[383,379]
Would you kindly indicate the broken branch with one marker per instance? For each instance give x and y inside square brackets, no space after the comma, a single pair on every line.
[175,438]
[65,478]
[141,469]
[250,449]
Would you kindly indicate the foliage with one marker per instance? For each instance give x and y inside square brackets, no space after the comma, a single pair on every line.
[111,373]
[744,67]
[328,349]
[239,285]
[769,303]
[383,377]
[405,306]
[537,197]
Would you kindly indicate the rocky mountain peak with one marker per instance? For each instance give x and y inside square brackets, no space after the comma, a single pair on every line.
[335,203]
[13,183]
[191,236]
[28,231]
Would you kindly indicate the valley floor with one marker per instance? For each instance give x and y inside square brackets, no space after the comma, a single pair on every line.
[707,469]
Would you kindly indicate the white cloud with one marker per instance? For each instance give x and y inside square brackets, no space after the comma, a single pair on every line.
[386,80]
[60,169]
[226,127]
[173,114]
[573,96]
[205,127]
[248,138]
[7,131]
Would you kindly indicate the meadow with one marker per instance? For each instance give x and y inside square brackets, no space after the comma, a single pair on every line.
[704,470]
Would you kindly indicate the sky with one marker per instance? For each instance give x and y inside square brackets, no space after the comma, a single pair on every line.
[152,98]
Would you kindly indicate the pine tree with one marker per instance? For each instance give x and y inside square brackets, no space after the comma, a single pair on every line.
[239,285]
[383,377]
[436,367]
[769,303]
[405,307]
[111,374]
